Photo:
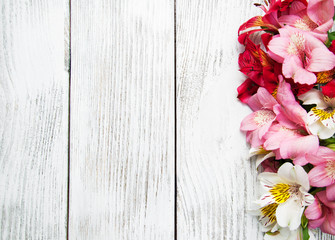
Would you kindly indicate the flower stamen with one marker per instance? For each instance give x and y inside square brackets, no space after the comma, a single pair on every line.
[263,116]
[323,114]
[297,44]
[269,211]
[281,192]
[330,169]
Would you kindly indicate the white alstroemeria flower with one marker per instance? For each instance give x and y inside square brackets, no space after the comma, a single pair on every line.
[285,197]
[320,119]
[287,234]
[261,154]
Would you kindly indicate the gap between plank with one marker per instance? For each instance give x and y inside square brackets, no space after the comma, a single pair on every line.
[69,126]
[175,122]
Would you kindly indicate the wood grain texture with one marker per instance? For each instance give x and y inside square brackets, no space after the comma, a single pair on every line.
[33,120]
[216,180]
[122,120]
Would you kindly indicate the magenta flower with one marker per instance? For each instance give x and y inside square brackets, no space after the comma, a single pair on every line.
[258,123]
[321,214]
[289,143]
[301,53]
[323,174]
[317,17]
[279,125]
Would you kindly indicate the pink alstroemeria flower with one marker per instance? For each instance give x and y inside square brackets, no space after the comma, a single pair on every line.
[323,173]
[279,125]
[321,214]
[289,143]
[301,53]
[289,137]
[258,123]
[317,17]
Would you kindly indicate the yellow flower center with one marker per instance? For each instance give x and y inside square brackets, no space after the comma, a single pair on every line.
[325,77]
[280,192]
[274,93]
[270,212]
[323,114]
[263,151]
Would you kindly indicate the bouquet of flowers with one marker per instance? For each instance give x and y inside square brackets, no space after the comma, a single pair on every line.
[289,61]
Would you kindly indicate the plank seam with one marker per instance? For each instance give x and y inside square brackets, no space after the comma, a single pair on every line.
[69,126]
[175,122]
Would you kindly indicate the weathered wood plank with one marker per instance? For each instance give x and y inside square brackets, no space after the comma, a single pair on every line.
[34,120]
[216,182]
[122,120]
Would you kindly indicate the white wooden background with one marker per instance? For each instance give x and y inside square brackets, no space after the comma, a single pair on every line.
[119,120]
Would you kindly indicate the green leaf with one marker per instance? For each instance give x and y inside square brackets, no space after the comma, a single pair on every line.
[304,221]
[331,146]
[331,36]
[305,234]
[304,225]
[272,233]
[326,142]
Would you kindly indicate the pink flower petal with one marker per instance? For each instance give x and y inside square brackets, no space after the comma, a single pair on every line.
[299,147]
[324,28]
[275,136]
[297,7]
[318,176]
[313,159]
[254,103]
[284,92]
[323,198]
[330,192]
[328,225]
[321,59]
[290,65]
[248,123]
[278,48]
[321,157]
[303,76]
[253,139]
[264,129]
[292,110]
[326,153]
[320,36]
[312,224]
[288,19]
[282,117]
[314,210]
[266,98]
[320,11]
[314,40]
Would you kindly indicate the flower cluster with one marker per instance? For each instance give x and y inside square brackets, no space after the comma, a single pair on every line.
[289,62]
